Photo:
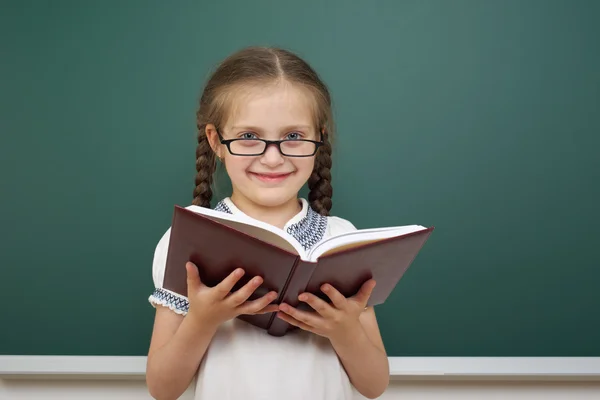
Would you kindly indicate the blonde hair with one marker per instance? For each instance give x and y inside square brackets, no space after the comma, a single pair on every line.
[259,66]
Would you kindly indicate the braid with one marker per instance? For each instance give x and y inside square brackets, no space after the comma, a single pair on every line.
[205,167]
[319,182]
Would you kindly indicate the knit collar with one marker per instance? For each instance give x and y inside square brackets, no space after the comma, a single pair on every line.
[307,226]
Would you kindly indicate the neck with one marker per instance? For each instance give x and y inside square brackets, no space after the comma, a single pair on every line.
[277,216]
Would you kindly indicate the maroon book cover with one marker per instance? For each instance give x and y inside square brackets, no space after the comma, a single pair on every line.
[218,248]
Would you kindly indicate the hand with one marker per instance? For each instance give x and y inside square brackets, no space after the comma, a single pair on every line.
[332,321]
[215,305]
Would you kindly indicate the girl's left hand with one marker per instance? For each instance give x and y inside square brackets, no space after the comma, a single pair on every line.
[334,320]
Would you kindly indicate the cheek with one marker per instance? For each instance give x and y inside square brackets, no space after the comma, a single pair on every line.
[237,166]
[304,166]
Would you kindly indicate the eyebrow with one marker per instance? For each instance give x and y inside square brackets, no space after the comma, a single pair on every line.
[286,128]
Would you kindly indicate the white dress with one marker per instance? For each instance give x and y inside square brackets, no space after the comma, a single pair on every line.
[243,361]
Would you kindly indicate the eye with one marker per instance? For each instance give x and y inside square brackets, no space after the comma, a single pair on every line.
[293,136]
[248,135]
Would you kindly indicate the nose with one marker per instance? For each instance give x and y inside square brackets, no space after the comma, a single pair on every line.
[272,157]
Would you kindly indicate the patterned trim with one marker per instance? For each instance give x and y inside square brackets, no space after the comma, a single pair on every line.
[222,207]
[309,230]
[175,302]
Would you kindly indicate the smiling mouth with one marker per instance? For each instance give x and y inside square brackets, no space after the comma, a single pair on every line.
[271,178]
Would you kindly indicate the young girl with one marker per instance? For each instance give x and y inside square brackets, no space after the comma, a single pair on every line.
[266,115]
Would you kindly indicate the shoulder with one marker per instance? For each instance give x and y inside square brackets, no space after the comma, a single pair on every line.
[160,257]
[162,247]
[337,226]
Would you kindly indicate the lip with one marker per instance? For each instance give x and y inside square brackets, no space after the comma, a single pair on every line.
[271,177]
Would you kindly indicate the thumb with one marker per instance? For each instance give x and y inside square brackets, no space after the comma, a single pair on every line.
[193,277]
[365,292]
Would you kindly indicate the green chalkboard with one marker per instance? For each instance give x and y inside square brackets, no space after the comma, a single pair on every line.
[479,117]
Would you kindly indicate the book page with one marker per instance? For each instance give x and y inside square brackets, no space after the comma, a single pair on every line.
[359,238]
[346,246]
[252,227]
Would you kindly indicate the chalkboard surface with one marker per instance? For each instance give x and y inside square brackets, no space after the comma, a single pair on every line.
[479,117]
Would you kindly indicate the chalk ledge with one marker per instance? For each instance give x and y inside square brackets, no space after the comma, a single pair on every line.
[401,368]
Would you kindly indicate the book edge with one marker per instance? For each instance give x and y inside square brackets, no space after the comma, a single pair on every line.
[410,263]
[426,230]
[169,256]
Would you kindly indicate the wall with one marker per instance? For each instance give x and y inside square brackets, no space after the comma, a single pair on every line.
[48,389]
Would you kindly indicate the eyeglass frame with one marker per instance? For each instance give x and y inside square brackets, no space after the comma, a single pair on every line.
[227,143]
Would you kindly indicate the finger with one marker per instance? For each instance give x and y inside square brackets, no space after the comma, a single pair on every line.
[268,309]
[364,293]
[225,286]
[243,293]
[307,317]
[337,299]
[260,305]
[193,278]
[317,304]
[295,322]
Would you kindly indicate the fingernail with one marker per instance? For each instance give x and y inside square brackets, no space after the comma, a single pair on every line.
[239,272]
[325,288]
[256,281]
[302,297]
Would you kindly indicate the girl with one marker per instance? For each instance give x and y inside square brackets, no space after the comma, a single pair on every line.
[266,115]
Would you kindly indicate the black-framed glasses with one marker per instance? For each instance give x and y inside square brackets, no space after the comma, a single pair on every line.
[257,147]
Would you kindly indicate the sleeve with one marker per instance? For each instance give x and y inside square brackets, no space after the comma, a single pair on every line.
[160,296]
[338,226]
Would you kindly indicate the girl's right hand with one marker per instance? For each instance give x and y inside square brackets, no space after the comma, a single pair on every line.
[214,305]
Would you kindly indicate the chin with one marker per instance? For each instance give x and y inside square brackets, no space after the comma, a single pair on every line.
[273,197]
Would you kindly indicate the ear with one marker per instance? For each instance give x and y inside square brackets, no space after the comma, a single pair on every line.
[323,133]
[213,139]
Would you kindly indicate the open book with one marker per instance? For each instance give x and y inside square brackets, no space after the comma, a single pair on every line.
[219,242]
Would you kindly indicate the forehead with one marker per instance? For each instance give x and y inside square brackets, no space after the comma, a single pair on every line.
[271,107]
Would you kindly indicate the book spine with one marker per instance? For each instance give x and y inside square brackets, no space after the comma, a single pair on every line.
[296,284]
